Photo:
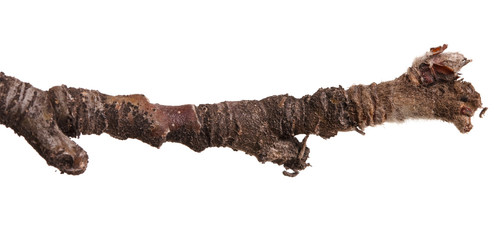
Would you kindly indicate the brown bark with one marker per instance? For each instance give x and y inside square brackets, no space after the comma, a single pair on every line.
[430,89]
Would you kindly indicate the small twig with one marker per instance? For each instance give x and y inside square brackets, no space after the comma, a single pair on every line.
[482,113]
[358,130]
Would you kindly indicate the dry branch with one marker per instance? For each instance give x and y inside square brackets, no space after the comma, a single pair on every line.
[430,89]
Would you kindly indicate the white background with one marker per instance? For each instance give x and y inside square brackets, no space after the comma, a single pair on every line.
[417,180]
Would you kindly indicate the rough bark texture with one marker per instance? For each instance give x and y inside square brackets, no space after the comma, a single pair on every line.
[430,89]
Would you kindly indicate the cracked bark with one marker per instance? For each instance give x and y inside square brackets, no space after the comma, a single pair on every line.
[266,129]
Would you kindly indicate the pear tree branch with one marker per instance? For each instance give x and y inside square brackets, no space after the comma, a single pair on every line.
[266,128]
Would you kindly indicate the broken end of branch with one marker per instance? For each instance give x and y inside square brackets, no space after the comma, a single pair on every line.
[74,163]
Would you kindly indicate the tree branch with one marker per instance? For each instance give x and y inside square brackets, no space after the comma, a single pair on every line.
[430,89]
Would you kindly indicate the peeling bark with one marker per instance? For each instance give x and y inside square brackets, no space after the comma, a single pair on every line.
[430,89]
